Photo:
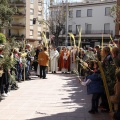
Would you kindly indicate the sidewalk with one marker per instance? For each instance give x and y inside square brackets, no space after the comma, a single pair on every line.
[60,97]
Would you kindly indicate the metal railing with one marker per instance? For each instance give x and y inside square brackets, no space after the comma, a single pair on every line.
[20,14]
[21,3]
[17,36]
[18,24]
[91,32]
[17,2]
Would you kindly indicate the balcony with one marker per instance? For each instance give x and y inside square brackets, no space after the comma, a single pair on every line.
[92,33]
[17,36]
[18,3]
[18,25]
[97,32]
[19,14]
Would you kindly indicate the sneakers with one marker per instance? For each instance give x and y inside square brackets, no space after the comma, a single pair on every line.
[4,95]
[8,94]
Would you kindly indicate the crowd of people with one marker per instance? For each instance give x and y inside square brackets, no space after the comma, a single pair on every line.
[10,76]
[83,62]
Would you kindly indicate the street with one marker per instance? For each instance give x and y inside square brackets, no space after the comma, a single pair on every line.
[60,97]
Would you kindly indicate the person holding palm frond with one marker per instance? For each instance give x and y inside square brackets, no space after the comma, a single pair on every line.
[98,52]
[116,56]
[72,59]
[95,87]
[109,70]
[85,58]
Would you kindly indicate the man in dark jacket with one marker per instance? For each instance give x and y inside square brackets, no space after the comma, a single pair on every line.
[39,49]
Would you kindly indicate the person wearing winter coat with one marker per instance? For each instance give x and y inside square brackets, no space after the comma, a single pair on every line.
[95,87]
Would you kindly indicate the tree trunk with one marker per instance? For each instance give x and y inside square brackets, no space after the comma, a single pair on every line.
[56,40]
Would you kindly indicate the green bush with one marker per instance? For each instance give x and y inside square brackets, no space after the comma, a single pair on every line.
[2,38]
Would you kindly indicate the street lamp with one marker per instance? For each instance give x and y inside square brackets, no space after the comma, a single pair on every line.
[66,41]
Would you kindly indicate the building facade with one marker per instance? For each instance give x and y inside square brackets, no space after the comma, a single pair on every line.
[95,20]
[22,25]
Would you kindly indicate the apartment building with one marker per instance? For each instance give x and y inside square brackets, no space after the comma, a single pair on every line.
[94,17]
[22,25]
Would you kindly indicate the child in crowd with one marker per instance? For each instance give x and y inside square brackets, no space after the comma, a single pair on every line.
[95,87]
[115,99]
[90,69]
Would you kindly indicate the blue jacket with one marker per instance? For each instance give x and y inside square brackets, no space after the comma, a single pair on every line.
[96,84]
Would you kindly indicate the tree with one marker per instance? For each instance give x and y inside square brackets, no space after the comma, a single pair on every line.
[6,12]
[115,13]
[56,20]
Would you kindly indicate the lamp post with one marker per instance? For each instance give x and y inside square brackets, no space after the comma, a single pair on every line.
[66,41]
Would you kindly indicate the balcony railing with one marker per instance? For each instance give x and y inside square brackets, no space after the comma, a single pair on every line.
[19,14]
[18,25]
[17,36]
[97,32]
[91,32]
[18,3]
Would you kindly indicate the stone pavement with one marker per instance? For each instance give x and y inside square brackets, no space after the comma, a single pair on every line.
[60,97]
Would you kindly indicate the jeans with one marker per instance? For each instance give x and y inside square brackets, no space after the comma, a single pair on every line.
[27,69]
[20,74]
[43,71]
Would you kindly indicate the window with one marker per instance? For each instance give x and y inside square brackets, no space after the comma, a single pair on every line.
[88,28]
[107,11]
[31,32]
[107,28]
[40,2]
[31,1]
[78,28]
[89,13]
[70,14]
[39,12]
[39,33]
[31,22]
[78,13]
[31,11]
[70,28]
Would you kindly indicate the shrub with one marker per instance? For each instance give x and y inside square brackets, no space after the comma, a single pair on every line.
[2,38]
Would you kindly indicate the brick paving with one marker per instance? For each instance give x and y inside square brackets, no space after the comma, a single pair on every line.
[60,97]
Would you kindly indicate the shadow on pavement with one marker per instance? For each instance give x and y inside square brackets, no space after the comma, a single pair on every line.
[77,102]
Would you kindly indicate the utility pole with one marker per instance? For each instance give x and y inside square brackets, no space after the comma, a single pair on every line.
[66,41]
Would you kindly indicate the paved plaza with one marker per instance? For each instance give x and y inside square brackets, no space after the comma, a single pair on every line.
[60,97]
